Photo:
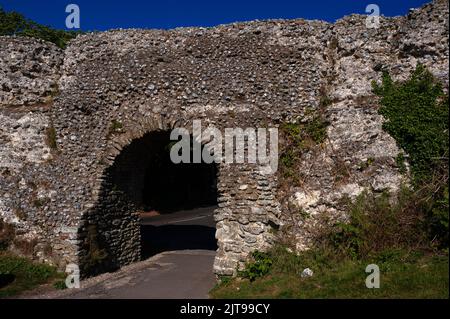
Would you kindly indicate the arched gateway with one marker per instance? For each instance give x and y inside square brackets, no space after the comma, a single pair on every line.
[139,175]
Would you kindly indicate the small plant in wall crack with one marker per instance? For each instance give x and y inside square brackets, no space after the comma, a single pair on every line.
[300,138]
[40,202]
[116,127]
[51,138]
[325,101]
[366,164]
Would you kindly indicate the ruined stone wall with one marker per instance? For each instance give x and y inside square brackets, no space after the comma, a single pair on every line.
[108,233]
[357,154]
[254,74]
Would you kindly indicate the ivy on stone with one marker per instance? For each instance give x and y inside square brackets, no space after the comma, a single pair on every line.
[416,114]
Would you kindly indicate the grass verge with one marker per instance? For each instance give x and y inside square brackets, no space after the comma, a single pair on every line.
[18,274]
[402,275]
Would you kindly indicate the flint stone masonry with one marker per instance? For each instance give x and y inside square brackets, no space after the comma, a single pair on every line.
[29,71]
[252,74]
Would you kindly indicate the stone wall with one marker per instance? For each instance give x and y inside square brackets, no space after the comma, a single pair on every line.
[356,143]
[253,74]
[29,71]
[109,232]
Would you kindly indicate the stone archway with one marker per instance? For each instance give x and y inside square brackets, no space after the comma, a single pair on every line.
[141,178]
[109,231]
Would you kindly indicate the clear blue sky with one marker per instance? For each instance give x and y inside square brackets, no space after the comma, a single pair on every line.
[108,14]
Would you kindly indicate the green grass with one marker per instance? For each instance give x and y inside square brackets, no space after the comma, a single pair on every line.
[403,275]
[26,274]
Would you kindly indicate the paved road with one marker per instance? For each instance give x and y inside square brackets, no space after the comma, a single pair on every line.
[199,216]
[191,229]
[177,274]
[182,270]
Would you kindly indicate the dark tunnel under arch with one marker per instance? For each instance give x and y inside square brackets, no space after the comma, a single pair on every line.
[141,179]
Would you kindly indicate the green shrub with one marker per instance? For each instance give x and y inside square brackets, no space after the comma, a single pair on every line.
[13,23]
[347,237]
[376,223]
[400,161]
[317,129]
[325,101]
[60,284]
[258,267]
[298,134]
[223,279]
[288,158]
[417,116]
[438,218]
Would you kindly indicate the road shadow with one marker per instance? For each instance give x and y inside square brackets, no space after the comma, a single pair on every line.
[156,239]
